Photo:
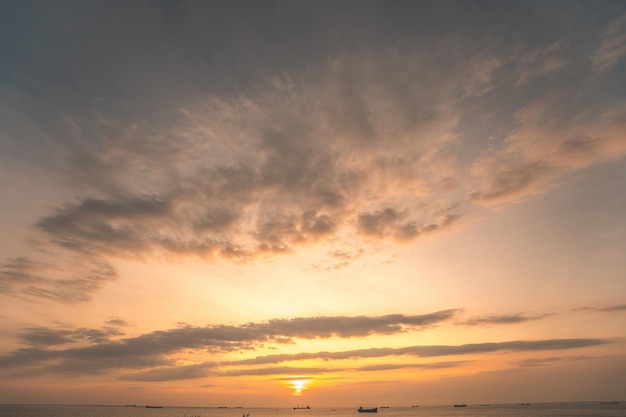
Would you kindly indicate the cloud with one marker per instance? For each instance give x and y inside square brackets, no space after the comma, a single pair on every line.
[532,362]
[76,351]
[152,348]
[612,46]
[503,319]
[369,146]
[610,309]
[388,367]
[546,145]
[43,336]
[278,370]
[95,225]
[62,276]
[115,321]
[389,222]
[211,369]
[172,373]
[283,166]
[431,351]
[540,62]
[359,326]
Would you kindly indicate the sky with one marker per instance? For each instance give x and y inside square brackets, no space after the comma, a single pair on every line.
[276,203]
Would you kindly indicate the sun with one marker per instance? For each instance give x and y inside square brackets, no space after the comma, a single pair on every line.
[298,385]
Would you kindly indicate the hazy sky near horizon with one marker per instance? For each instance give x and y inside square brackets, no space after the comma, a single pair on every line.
[273,203]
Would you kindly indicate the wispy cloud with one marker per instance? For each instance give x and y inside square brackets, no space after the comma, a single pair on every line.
[64,276]
[540,62]
[432,351]
[612,308]
[545,146]
[502,319]
[612,46]
[609,309]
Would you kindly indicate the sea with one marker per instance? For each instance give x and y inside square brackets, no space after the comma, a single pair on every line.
[571,409]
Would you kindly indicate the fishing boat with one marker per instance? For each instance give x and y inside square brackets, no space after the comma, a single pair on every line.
[460,405]
[368,410]
[302,408]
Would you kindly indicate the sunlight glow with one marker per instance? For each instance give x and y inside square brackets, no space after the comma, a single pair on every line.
[298,385]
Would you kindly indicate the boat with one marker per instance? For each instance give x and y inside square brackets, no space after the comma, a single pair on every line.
[460,405]
[302,408]
[368,410]
[154,406]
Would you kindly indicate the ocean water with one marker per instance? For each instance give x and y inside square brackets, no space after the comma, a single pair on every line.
[579,409]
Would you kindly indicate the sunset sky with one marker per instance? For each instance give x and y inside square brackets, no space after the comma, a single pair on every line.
[333,203]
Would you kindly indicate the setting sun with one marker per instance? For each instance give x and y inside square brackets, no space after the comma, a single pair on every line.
[299,385]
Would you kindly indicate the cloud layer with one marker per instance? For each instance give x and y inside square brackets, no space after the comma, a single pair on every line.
[376,146]
[153,356]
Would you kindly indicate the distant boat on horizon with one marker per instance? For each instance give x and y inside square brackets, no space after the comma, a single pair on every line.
[460,405]
[367,410]
[302,408]
[154,406]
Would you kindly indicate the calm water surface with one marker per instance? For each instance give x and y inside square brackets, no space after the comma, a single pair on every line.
[588,409]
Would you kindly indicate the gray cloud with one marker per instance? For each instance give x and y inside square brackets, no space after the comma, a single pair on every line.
[503,319]
[320,370]
[95,225]
[613,308]
[117,322]
[42,336]
[435,365]
[63,277]
[278,370]
[430,351]
[532,362]
[172,373]
[151,348]
[513,182]
[20,271]
[609,309]
[55,350]
[389,222]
